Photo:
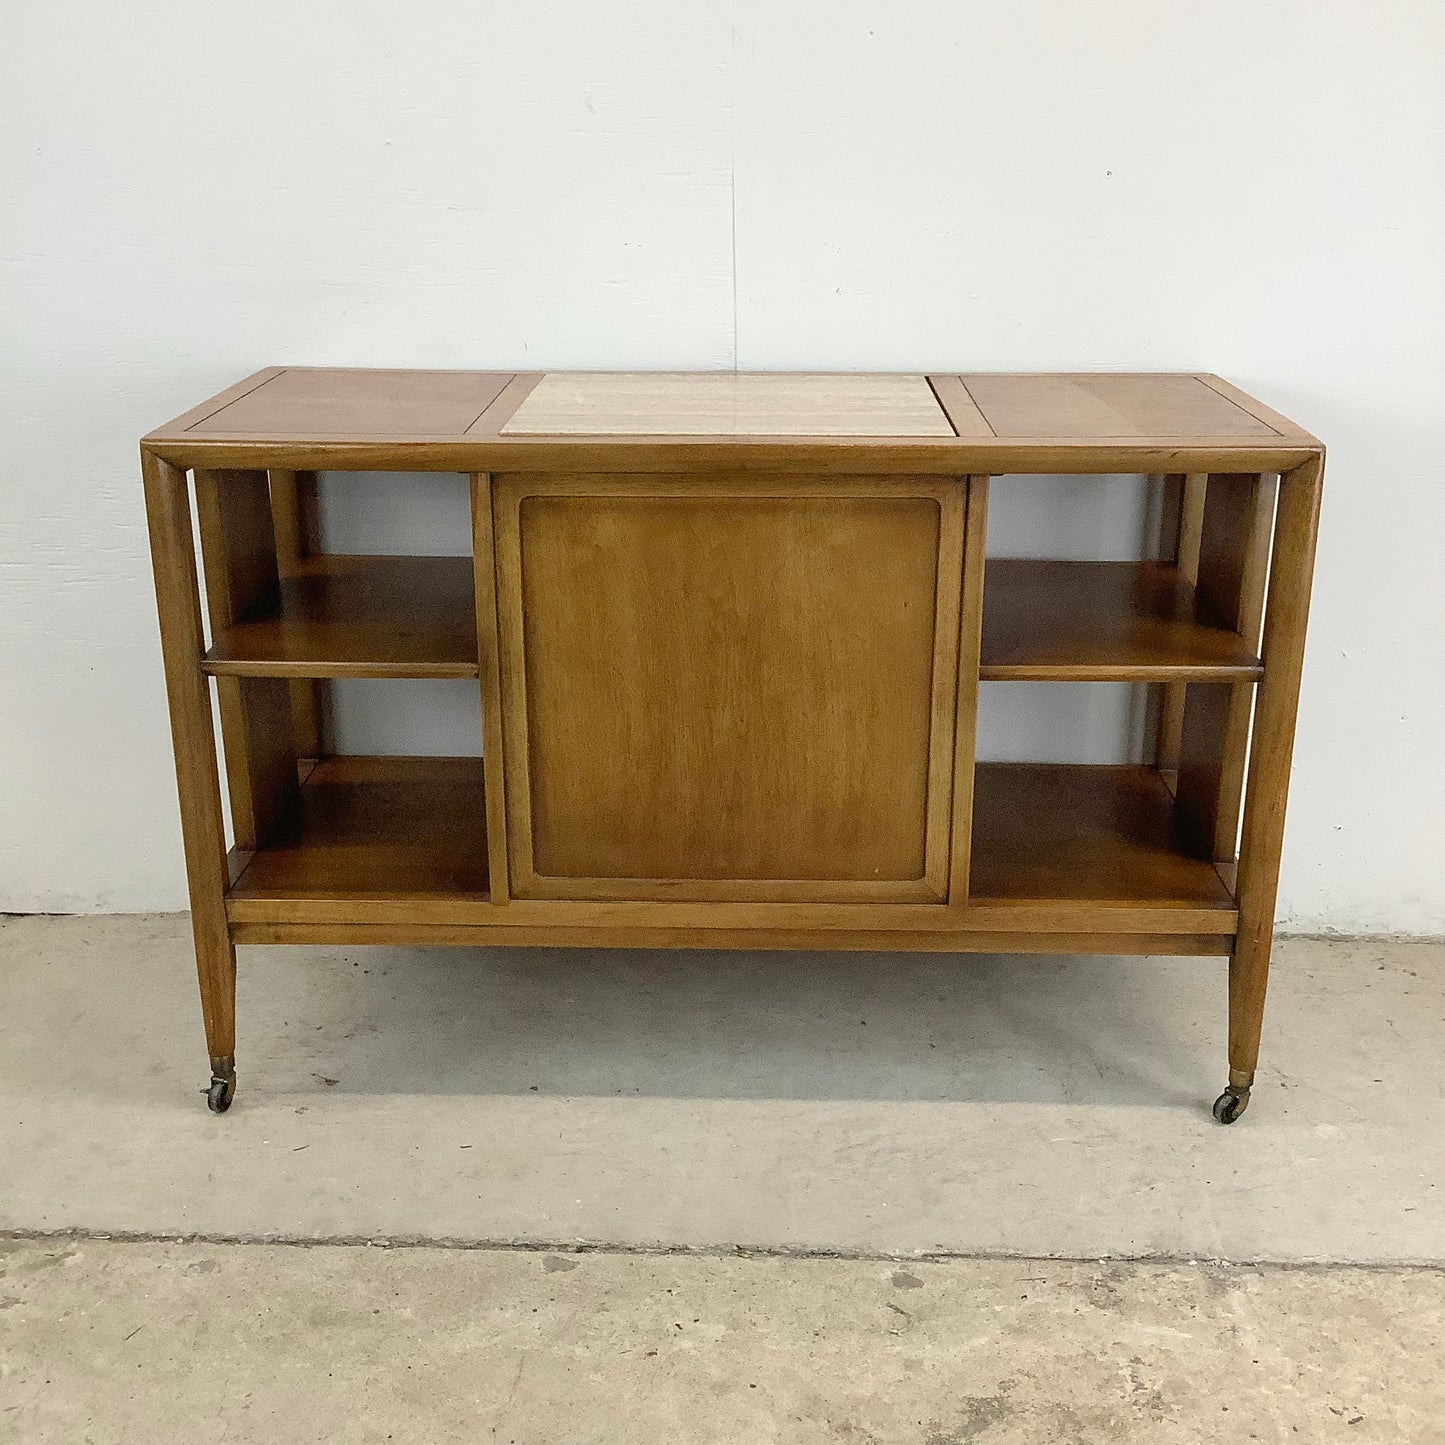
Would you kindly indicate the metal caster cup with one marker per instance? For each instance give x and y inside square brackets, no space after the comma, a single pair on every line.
[1235,1099]
[223,1085]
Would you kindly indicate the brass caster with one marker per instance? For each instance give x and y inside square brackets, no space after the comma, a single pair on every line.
[223,1085]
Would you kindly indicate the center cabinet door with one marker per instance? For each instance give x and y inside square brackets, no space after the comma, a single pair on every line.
[738,689]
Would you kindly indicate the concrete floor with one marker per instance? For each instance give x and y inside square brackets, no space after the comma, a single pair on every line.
[857,1103]
[896,1109]
[170,1344]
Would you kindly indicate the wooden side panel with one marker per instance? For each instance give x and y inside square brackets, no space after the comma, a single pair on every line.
[729,690]
[238,547]
[1233,562]
[295,519]
[966,723]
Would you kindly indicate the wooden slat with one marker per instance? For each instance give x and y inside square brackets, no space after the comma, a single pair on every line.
[1040,915]
[1232,566]
[490,666]
[876,940]
[966,712]
[294,515]
[1188,526]
[238,543]
[359,616]
[1103,622]
[238,546]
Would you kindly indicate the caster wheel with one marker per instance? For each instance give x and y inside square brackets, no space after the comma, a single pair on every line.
[1230,1105]
[219,1095]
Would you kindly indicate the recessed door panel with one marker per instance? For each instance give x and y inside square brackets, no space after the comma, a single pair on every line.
[728,690]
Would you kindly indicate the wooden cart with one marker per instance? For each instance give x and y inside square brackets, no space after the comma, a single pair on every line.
[728,633]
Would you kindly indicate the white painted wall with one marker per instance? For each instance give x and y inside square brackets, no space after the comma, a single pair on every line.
[190,192]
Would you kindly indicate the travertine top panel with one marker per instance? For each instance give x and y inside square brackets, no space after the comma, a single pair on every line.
[728,404]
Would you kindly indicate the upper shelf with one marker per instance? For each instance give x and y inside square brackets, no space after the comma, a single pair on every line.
[1101,622]
[347,616]
[896,422]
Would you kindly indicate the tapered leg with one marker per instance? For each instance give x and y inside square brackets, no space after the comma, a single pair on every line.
[168,512]
[1295,529]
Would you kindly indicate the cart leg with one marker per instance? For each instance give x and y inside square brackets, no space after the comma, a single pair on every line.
[1296,526]
[216,968]
[173,557]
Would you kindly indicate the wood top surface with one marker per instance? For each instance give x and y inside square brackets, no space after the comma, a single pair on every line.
[948,422]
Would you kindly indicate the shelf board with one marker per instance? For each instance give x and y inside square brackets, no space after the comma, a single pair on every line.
[374,828]
[1101,622]
[350,616]
[1078,833]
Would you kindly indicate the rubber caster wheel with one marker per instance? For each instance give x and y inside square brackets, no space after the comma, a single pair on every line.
[220,1094]
[1230,1105]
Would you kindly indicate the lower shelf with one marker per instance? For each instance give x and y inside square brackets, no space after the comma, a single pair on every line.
[378,827]
[1082,833]
[1068,850]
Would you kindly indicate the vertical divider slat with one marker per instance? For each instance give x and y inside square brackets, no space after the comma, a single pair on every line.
[1191,489]
[238,549]
[490,678]
[1233,563]
[294,515]
[965,736]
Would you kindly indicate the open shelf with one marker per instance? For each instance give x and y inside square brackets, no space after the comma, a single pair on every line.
[376,828]
[1101,622]
[351,616]
[1078,832]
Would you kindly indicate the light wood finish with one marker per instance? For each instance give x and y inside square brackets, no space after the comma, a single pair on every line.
[1097,834]
[490,672]
[1232,566]
[1019,916]
[1292,569]
[1109,405]
[296,522]
[965,739]
[726,403]
[294,517]
[729,680]
[729,690]
[965,418]
[1187,529]
[337,615]
[306,403]
[173,558]
[425,424]
[400,828]
[890,940]
[238,548]
[1104,622]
